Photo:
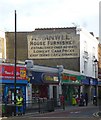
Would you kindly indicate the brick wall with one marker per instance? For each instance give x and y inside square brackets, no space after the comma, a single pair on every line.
[22,48]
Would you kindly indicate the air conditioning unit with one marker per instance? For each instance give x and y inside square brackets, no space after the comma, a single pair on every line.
[29,63]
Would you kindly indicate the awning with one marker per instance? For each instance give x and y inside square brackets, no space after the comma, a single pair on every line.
[2,81]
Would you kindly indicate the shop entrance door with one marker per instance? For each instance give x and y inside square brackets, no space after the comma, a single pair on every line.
[9,94]
[55,95]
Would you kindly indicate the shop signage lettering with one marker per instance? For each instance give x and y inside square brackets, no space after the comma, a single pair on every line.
[50,77]
[7,72]
[46,77]
[53,46]
[71,79]
[67,77]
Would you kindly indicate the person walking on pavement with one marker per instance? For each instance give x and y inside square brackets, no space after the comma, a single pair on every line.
[19,105]
[81,103]
[74,100]
[62,100]
[86,99]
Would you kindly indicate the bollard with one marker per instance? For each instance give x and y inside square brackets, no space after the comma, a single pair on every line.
[39,105]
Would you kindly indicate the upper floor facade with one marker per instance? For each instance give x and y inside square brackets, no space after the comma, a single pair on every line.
[88,53]
[73,48]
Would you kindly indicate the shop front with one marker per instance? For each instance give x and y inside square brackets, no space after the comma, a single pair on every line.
[44,85]
[94,87]
[85,84]
[8,83]
[70,86]
[89,85]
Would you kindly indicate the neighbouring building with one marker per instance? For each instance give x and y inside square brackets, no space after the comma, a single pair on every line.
[2,45]
[88,65]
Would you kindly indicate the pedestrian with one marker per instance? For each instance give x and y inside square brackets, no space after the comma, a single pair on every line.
[81,100]
[62,99]
[74,100]
[86,99]
[95,100]
[19,105]
[77,99]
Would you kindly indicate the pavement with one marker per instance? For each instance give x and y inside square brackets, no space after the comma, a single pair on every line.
[69,108]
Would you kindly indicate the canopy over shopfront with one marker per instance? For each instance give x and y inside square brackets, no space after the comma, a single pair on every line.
[44,81]
[71,79]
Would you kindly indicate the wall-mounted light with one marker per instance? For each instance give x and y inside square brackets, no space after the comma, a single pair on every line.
[95,61]
[96,71]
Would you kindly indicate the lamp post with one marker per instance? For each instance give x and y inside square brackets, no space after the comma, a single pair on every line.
[96,77]
[15,56]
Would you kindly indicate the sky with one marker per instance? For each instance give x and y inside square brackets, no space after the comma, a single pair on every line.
[33,14]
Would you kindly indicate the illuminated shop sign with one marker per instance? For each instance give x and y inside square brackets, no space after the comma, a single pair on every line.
[53,46]
[50,77]
[65,77]
[7,72]
[69,78]
[41,77]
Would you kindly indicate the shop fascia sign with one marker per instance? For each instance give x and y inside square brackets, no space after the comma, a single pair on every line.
[8,72]
[70,78]
[50,77]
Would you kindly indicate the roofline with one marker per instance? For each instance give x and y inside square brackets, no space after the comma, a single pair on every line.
[55,28]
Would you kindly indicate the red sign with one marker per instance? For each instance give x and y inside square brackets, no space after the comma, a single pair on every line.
[8,72]
[67,77]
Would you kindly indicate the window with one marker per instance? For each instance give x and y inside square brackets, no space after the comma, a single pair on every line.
[93,53]
[85,50]
[85,66]
[85,46]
